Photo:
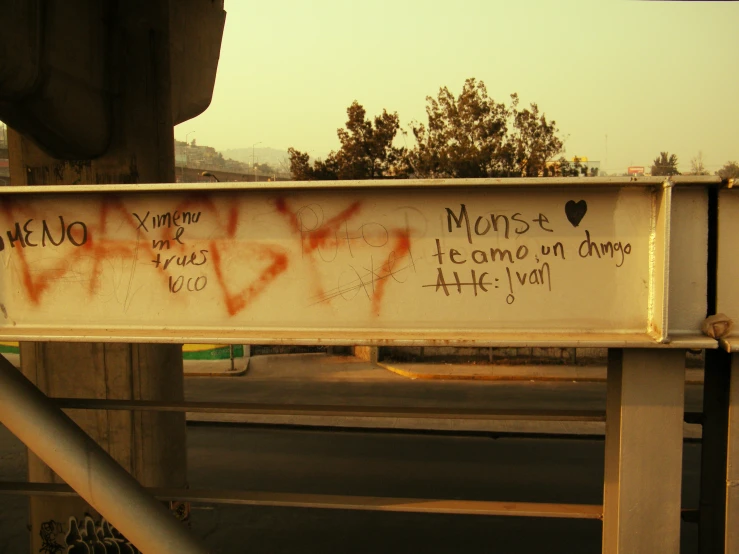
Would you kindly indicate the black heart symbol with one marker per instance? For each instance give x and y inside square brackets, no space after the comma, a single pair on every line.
[576,211]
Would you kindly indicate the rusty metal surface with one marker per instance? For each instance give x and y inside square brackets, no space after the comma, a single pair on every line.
[574,262]
[339,502]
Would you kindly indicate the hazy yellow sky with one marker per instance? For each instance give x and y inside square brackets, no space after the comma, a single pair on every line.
[651,76]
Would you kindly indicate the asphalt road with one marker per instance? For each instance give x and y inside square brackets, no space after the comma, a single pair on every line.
[475,468]
[381,464]
[424,466]
[320,379]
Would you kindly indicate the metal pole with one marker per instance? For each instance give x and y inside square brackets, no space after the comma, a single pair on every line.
[732,461]
[643,455]
[88,469]
[253,159]
[716,386]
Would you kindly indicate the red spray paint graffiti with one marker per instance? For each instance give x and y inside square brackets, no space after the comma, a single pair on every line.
[117,236]
[237,301]
[98,250]
[387,269]
[318,233]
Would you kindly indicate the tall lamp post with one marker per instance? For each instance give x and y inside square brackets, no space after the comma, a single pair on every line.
[253,159]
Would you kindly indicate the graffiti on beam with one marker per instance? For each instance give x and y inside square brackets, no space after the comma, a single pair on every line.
[365,255]
[86,537]
[435,258]
[499,266]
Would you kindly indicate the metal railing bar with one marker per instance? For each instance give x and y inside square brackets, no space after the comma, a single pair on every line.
[338,502]
[349,411]
[397,430]
[310,409]
[329,410]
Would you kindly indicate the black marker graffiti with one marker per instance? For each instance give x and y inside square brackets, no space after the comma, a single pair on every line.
[165,243]
[495,222]
[166,220]
[590,249]
[191,284]
[23,235]
[490,255]
[575,211]
[509,259]
[160,246]
[49,532]
[476,282]
[193,258]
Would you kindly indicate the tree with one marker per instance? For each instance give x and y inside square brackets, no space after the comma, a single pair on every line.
[729,171]
[465,136]
[665,164]
[266,169]
[327,170]
[696,165]
[366,152]
[474,136]
[300,167]
[533,141]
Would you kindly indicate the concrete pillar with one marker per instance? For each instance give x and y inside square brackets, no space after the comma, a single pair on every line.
[148,444]
[367,353]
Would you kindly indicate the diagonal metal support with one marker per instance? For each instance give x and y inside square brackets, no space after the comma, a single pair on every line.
[88,469]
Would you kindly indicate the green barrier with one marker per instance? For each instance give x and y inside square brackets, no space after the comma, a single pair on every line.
[9,348]
[211,352]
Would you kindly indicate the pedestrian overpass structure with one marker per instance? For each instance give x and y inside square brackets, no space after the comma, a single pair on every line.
[642,266]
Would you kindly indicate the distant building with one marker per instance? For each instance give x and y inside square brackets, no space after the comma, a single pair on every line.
[580,166]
